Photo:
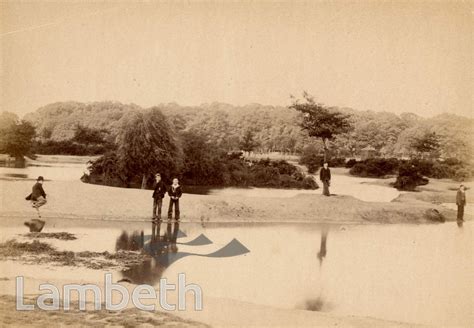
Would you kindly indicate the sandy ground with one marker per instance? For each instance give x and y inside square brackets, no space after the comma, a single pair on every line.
[75,318]
[72,201]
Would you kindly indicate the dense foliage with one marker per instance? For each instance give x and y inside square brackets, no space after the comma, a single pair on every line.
[273,128]
[313,160]
[409,171]
[409,177]
[194,143]
[85,141]
[203,168]
[16,136]
[146,144]
[375,168]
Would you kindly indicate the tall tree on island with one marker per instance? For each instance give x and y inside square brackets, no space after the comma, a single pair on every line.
[321,121]
[146,144]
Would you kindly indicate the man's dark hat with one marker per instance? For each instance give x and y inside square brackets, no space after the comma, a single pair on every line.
[40,178]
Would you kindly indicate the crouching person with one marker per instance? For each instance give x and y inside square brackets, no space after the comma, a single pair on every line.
[175,193]
[37,196]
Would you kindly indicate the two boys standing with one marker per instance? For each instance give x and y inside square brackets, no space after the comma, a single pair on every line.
[174,191]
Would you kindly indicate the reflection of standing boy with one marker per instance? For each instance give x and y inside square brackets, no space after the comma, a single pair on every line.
[158,195]
[461,202]
[175,193]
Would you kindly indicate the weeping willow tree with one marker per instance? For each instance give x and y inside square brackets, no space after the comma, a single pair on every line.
[146,144]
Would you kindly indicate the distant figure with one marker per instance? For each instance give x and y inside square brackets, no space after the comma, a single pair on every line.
[461,202]
[158,195]
[37,196]
[175,193]
[325,177]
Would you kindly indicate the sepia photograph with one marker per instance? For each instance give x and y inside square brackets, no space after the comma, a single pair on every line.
[247,163]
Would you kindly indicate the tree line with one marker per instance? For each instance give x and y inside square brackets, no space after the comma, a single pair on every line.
[200,143]
[263,129]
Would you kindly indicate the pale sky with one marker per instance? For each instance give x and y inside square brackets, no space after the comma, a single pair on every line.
[382,56]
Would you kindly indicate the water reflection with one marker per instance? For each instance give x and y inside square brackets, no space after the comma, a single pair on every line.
[319,303]
[160,247]
[323,246]
[164,251]
[13,162]
[15,175]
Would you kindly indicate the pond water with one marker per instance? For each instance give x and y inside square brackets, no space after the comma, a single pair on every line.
[409,273]
[418,274]
[51,172]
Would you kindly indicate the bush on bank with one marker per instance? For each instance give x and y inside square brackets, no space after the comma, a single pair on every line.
[380,167]
[227,171]
[409,177]
[313,160]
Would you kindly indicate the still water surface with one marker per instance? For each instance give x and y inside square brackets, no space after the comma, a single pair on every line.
[410,273]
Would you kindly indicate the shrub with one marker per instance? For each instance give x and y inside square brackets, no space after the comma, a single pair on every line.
[228,170]
[462,174]
[309,183]
[441,171]
[453,161]
[105,171]
[409,177]
[311,159]
[358,169]
[350,163]
[337,162]
[286,181]
[424,167]
[379,167]
[449,169]
[375,167]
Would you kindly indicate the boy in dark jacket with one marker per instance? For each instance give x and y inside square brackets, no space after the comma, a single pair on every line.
[158,195]
[37,196]
[175,193]
[325,177]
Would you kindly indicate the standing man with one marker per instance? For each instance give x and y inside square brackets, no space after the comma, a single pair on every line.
[175,193]
[158,195]
[461,202]
[325,177]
